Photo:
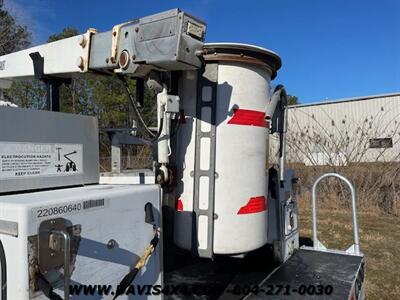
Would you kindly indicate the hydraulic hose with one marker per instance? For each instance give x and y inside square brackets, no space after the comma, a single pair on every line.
[136,109]
[157,136]
[176,128]
[128,278]
[154,138]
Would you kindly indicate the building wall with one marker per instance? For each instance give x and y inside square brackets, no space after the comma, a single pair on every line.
[351,130]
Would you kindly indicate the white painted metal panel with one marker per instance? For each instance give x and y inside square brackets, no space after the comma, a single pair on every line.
[185,158]
[202,232]
[128,177]
[121,219]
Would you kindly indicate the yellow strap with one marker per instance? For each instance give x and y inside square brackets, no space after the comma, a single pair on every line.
[147,252]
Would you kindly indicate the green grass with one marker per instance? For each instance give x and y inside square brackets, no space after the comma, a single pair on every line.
[379,241]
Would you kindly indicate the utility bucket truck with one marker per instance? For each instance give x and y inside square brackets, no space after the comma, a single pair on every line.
[209,221]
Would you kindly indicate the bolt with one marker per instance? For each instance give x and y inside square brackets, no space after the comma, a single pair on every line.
[52,254]
[137,29]
[111,244]
[114,33]
[133,57]
[52,222]
[107,60]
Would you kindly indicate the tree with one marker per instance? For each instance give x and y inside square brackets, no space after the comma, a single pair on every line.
[28,94]
[293,100]
[13,36]
[73,96]
[65,33]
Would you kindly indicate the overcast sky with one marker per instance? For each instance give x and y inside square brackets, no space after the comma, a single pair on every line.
[330,49]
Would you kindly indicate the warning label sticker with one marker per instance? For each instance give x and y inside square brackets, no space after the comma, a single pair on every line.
[21,160]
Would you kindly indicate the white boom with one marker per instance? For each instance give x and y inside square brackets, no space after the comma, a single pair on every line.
[61,58]
[133,48]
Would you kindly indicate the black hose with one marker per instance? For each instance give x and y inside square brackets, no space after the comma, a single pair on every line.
[130,277]
[176,128]
[157,136]
[154,138]
[46,288]
[139,116]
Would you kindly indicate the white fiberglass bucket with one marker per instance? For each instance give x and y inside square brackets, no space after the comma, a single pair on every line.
[241,141]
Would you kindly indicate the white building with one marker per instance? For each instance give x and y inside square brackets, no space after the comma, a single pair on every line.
[362,129]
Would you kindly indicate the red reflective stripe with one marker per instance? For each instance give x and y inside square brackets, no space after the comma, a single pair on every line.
[249,118]
[179,205]
[255,205]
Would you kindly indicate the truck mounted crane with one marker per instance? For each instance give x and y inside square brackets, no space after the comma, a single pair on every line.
[210,220]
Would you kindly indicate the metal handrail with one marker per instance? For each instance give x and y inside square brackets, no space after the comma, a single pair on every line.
[317,244]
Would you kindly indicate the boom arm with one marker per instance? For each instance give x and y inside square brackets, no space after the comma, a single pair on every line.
[167,41]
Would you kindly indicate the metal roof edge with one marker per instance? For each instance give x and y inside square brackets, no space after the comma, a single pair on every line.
[346,100]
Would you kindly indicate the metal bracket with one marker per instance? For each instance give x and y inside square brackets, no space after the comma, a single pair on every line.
[52,83]
[279,124]
[207,77]
[54,243]
[119,137]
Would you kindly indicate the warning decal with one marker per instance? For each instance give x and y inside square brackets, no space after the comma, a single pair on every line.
[21,160]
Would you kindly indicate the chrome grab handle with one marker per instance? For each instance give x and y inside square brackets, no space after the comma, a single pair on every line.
[67,255]
[355,249]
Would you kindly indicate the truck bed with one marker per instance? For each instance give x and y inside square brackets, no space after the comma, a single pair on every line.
[307,274]
[314,275]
